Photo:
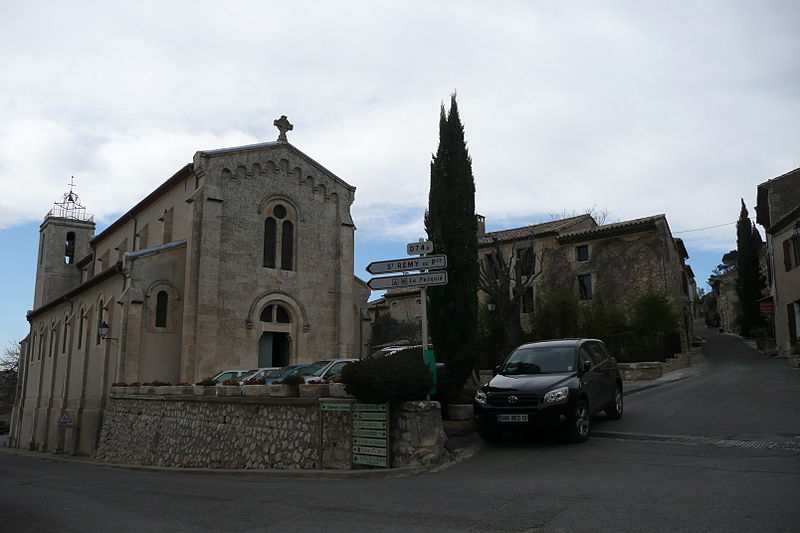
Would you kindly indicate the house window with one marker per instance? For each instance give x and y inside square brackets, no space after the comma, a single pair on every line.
[582,252]
[162,299]
[585,286]
[526,261]
[66,330]
[279,238]
[99,320]
[527,300]
[791,253]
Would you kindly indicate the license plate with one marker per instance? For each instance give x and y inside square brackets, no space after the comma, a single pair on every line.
[512,418]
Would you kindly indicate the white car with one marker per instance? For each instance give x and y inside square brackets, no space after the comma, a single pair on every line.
[323,370]
[230,375]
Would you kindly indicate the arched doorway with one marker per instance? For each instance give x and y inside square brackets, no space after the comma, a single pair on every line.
[275,343]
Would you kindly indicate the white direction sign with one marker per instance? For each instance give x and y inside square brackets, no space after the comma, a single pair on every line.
[429,262]
[410,280]
[419,248]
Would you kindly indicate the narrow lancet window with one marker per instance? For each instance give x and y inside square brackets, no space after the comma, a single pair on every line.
[162,299]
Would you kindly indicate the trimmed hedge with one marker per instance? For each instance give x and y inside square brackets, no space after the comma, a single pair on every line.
[399,377]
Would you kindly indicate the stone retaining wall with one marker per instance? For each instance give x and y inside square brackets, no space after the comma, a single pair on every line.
[255,433]
[653,370]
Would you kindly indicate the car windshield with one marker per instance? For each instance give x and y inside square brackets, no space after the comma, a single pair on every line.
[247,375]
[277,372]
[540,360]
[313,369]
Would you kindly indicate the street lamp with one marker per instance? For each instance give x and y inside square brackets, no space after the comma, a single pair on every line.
[103,332]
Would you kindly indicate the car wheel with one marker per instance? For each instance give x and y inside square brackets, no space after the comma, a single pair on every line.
[578,423]
[614,409]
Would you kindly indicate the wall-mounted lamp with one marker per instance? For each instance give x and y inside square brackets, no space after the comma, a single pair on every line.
[491,306]
[103,332]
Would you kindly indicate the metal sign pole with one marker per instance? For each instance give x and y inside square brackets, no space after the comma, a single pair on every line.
[423,296]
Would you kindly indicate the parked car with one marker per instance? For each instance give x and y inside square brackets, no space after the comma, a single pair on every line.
[323,370]
[229,375]
[274,376]
[254,375]
[389,350]
[557,384]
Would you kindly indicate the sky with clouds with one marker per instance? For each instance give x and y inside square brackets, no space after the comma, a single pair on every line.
[633,107]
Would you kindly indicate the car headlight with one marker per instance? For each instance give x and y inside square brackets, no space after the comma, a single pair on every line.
[556,395]
[480,397]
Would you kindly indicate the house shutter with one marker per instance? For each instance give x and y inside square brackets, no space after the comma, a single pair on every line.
[792,323]
[787,259]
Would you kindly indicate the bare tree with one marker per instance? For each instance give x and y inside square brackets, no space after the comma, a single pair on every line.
[601,215]
[9,360]
[505,280]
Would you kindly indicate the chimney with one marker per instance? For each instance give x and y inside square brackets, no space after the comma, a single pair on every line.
[481,224]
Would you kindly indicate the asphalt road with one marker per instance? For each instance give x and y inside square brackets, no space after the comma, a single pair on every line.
[717,451]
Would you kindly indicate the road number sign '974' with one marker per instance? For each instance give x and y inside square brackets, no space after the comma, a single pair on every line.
[412,280]
[430,262]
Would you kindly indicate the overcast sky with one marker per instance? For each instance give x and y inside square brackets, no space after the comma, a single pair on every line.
[633,107]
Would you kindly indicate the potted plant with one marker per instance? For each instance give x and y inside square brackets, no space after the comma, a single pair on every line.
[204,387]
[313,388]
[255,387]
[184,388]
[287,387]
[229,387]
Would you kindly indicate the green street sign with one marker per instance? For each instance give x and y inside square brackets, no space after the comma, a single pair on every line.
[327,406]
[379,433]
[380,407]
[369,460]
[369,416]
[366,450]
[360,441]
[430,360]
[367,424]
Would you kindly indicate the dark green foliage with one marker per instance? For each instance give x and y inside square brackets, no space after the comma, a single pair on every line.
[207,382]
[491,339]
[451,224]
[749,281]
[293,379]
[644,330]
[401,376]
[387,329]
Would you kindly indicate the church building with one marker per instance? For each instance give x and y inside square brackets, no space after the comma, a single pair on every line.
[242,259]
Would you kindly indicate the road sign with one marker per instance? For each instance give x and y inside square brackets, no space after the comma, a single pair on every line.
[370,446]
[410,280]
[428,262]
[419,248]
[65,420]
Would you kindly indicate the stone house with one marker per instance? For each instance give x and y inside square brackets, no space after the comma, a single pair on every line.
[242,259]
[621,261]
[615,261]
[778,212]
[723,286]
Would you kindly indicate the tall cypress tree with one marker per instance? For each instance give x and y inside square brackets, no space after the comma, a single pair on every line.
[749,280]
[451,225]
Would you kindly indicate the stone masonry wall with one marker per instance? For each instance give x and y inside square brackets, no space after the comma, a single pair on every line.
[255,433]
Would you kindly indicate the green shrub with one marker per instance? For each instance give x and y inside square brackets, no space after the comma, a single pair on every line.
[399,377]
[796,349]
[293,379]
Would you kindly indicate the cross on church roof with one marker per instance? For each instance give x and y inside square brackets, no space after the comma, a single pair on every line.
[283,126]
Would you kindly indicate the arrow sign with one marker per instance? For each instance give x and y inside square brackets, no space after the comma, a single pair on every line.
[430,262]
[411,280]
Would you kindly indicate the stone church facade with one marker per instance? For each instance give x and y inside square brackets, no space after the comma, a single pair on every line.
[242,259]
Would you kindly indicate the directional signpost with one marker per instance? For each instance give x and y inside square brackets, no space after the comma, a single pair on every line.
[431,273]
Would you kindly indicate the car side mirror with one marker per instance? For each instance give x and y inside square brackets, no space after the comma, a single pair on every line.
[586,365]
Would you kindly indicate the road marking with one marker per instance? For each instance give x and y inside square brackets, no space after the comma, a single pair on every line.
[688,440]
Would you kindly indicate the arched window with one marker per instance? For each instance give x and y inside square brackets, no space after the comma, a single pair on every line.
[161,309]
[99,320]
[81,327]
[287,245]
[275,313]
[66,331]
[269,242]
[279,236]
[69,248]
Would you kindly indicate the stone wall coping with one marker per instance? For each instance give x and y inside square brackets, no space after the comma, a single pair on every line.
[270,400]
[653,364]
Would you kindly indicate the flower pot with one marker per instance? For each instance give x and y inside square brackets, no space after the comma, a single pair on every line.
[336,390]
[255,390]
[228,390]
[119,390]
[147,389]
[166,389]
[283,391]
[313,391]
[201,390]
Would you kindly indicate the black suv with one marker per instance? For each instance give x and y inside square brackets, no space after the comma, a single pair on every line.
[559,383]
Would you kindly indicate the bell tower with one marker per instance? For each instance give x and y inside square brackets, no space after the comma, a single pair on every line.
[63,241]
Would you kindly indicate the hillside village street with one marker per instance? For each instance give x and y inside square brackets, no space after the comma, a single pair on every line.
[717,450]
